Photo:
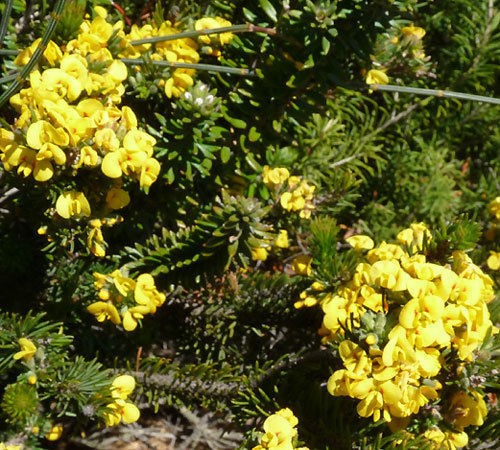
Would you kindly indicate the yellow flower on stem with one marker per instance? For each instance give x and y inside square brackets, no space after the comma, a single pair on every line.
[146,294]
[28,349]
[122,386]
[117,198]
[413,32]
[273,178]
[104,311]
[467,409]
[95,239]
[150,170]
[133,315]
[375,76]
[259,253]
[72,203]
[121,411]
[360,242]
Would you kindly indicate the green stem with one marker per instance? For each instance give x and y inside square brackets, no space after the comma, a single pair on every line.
[189,34]
[16,85]
[434,92]
[177,65]
[5,20]
[8,52]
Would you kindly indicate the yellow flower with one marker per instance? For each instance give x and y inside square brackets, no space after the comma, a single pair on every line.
[448,440]
[121,411]
[55,433]
[180,80]
[72,203]
[28,349]
[494,208]
[493,260]
[279,426]
[95,240]
[104,311]
[208,23]
[146,294]
[467,409]
[375,76]
[301,265]
[259,253]
[52,53]
[273,178]
[133,315]
[117,198]
[360,242]
[122,386]
[150,170]
[32,378]
[282,239]
[60,83]
[42,132]
[414,32]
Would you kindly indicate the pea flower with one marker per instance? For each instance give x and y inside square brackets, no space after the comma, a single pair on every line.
[413,32]
[72,203]
[493,260]
[360,242]
[375,76]
[282,239]
[28,349]
[122,386]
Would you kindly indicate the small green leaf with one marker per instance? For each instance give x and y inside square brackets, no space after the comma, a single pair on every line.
[236,123]
[225,154]
[253,135]
[269,9]
[325,45]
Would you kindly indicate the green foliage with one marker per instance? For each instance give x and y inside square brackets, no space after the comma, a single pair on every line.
[228,338]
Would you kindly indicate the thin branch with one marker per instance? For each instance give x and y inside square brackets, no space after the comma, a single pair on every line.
[5,20]
[9,193]
[248,27]
[178,65]
[434,93]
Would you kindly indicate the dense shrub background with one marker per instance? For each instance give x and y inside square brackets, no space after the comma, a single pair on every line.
[228,339]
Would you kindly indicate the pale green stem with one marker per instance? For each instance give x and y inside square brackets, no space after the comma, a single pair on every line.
[189,34]
[178,65]
[434,92]
[5,20]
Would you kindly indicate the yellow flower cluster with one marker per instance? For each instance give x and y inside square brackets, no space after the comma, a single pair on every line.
[408,42]
[261,253]
[430,307]
[120,410]
[298,194]
[68,118]
[279,432]
[212,43]
[124,300]
[183,50]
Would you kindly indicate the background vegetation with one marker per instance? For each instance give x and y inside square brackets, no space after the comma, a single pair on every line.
[228,347]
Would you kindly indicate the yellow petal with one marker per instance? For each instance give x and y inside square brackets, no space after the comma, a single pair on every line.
[110,165]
